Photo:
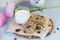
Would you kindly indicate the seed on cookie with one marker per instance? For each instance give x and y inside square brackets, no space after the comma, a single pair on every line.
[38,27]
[37,18]
[42,16]
[17,30]
[38,31]
[28,26]
[15,38]
[49,25]
[30,16]
[24,31]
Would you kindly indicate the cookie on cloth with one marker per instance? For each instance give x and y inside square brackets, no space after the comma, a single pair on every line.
[31,29]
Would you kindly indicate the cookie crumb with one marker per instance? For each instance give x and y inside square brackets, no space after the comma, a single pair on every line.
[57,28]
[15,38]
[17,30]
[20,24]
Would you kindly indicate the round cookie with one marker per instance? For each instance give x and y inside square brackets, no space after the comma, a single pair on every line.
[32,36]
